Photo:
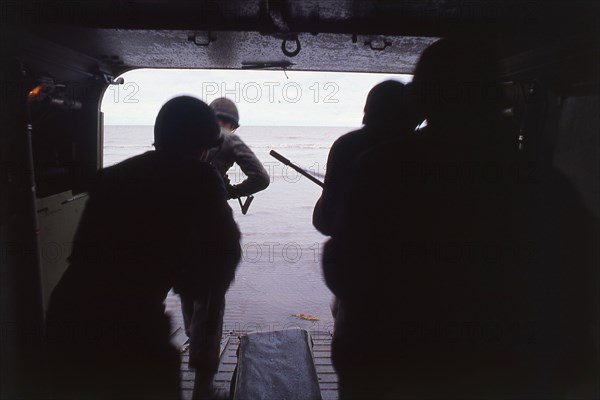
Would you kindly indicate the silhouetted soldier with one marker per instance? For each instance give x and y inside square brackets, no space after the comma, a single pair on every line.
[461,271]
[204,319]
[235,151]
[389,112]
[153,222]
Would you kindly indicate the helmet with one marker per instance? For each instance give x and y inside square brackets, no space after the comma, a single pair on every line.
[458,76]
[226,110]
[386,101]
[186,123]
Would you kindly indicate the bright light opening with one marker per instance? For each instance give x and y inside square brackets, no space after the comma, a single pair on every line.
[299,114]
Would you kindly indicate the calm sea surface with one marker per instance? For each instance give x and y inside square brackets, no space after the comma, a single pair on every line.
[280,273]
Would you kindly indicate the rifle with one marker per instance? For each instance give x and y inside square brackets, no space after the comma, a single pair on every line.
[287,162]
[243,205]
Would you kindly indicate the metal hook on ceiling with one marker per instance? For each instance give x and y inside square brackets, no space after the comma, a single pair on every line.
[202,39]
[111,80]
[294,52]
[118,81]
[384,44]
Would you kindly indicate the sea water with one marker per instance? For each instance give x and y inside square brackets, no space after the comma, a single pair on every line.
[279,282]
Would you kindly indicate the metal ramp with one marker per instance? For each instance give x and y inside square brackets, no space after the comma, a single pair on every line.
[229,346]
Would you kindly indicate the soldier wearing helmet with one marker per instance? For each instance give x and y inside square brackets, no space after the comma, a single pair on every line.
[234,150]
[153,222]
[389,112]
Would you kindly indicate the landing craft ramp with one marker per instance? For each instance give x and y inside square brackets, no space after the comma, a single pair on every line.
[328,380]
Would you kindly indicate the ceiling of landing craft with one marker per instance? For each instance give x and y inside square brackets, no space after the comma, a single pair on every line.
[334,35]
[124,49]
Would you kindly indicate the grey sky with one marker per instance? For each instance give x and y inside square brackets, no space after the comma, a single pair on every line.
[263,97]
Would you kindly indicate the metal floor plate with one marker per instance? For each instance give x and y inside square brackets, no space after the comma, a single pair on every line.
[229,346]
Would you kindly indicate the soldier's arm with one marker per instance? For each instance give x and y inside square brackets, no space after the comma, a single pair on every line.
[258,178]
[350,265]
[210,277]
[215,240]
[222,236]
[326,209]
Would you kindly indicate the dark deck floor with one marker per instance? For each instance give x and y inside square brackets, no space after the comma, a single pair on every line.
[229,345]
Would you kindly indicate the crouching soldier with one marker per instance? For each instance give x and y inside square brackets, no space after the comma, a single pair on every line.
[153,222]
[204,319]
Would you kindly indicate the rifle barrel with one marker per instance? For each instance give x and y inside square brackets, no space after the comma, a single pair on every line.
[290,164]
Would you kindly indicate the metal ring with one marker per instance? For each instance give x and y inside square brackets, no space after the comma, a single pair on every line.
[194,39]
[290,53]
[386,43]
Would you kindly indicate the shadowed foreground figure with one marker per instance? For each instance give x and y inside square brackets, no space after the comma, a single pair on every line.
[204,319]
[153,222]
[389,113]
[462,272]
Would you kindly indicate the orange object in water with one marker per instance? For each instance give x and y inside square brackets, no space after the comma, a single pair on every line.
[35,92]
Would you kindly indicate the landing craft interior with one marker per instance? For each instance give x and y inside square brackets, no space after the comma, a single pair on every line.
[60,56]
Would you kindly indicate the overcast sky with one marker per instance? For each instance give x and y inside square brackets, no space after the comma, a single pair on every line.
[262,97]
